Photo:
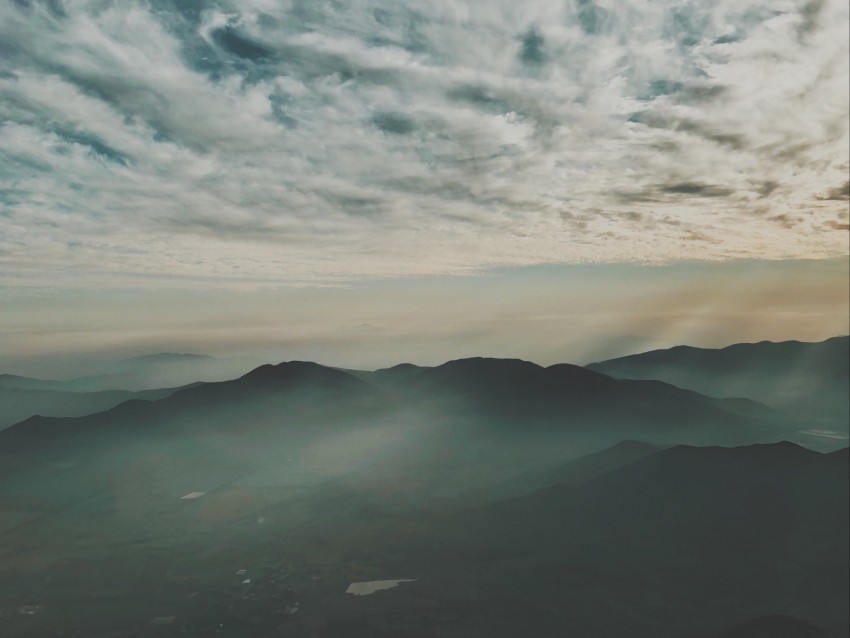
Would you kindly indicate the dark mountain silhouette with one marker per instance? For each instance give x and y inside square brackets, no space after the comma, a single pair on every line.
[500,397]
[775,626]
[402,473]
[523,499]
[587,468]
[808,378]
[269,391]
[465,427]
[515,393]
[678,541]
[573,473]
[396,374]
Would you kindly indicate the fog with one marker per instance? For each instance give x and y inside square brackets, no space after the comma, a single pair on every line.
[546,314]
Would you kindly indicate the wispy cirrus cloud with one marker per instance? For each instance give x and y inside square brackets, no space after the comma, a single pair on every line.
[305,141]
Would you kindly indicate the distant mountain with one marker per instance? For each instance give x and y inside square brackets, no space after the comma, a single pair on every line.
[460,432]
[509,397]
[810,379]
[264,394]
[33,397]
[515,393]
[147,372]
[15,382]
[398,373]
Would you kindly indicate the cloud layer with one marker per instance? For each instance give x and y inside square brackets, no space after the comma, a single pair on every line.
[268,140]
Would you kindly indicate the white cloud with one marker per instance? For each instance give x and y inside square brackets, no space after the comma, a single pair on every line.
[306,141]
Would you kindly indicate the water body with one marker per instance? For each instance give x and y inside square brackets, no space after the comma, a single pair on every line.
[371,586]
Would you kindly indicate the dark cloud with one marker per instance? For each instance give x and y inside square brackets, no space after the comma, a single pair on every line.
[643,196]
[533,49]
[728,39]
[766,188]
[696,189]
[394,123]
[94,146]
[785,220]
[591,17]
[687,25]
[234,42]
[838,194]
[709,132]
[701,92]
[810,17]
[661,193]
[661,87]
[698,236]
[358,206]
[480,97]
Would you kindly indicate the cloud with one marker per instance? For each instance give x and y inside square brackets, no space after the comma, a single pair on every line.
[838,194]
[696,189]
[303,141]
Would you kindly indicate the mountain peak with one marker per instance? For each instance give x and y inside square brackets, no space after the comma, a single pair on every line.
[291,369]
[485,363]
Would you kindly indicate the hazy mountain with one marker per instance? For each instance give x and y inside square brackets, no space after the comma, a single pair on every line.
[32,398]
[15,382]
[458,430]
[514,393]
[264,398]
[807,378]
[147,372]
[475,402]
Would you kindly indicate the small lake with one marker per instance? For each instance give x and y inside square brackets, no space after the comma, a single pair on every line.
[370,587]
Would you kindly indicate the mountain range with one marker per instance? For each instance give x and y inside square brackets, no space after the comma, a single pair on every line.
[510,497]
[804,378]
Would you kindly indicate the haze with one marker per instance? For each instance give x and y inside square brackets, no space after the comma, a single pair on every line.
[365,183]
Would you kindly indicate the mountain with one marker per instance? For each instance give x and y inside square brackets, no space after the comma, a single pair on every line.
[574,473]
[776,626]
[510,394]
[15,382]
[24,398]
[809,379]
[681,542]
[586,468]
[495,412]
[147,372]
[228,503]
[264,394]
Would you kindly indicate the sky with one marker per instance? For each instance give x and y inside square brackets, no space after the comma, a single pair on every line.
[368,182]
